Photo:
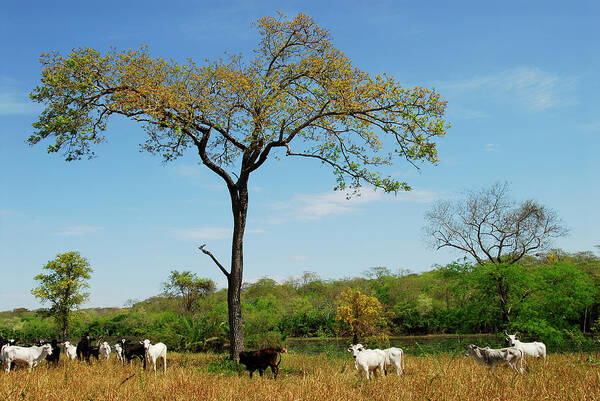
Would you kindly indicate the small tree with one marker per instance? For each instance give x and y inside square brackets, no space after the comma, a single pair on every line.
[63,286]
[188,287]
[360,312]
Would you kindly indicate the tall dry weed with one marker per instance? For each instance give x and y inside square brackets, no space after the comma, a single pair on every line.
[303,377]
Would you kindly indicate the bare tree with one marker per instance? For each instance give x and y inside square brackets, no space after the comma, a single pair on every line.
[491,227]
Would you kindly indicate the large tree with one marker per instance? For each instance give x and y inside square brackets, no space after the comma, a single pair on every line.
[63,286]
[297,93]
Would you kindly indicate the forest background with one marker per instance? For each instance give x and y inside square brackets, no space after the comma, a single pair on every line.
[553,297]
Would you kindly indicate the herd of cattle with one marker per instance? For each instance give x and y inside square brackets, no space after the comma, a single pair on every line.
[366,361]
[84,350]
[369,361]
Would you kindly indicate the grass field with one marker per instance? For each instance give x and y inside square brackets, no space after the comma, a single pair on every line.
[303,377]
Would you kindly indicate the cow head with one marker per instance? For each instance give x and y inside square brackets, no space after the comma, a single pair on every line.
[510,338]
[355,349]
[244,357]
[146,344]
[47,348]
[471,350]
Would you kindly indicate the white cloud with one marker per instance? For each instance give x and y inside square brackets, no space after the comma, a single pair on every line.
[76,231]
[591,127]
[491,147]
[316,206]
[11,104]
[189,170]
[530,87]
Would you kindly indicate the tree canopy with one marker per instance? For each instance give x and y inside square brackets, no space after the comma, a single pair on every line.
[297,84]
[188,287]
[491,227]
[63,286]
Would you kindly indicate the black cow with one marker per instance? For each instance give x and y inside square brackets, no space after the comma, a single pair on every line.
[95,352]
[133,350]
[84,347]
[262,359]
[54,357]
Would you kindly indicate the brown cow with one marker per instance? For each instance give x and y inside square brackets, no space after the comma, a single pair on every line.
[262,359]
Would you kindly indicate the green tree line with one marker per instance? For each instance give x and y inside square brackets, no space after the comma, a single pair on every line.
[553,297]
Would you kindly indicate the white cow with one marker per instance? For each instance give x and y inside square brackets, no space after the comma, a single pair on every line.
[118,351]
[367,360]
[534,349]
[492,357]
[30,355]
[104,350]
[153,352]
[70,350]
[394,357]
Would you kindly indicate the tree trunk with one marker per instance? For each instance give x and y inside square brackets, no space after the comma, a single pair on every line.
[503,294]
[65,327]
[239,204]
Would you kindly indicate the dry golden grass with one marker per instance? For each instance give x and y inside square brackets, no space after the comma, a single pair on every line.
[302,377]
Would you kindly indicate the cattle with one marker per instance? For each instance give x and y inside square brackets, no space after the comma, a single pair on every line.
[534,349]
[367,360]
[70,350]
[492,357]
[83,349]
[104,350]
[55,356]
[118,351]
[30,355]
[95,352]
[153,352]
[133,350]
[262,359]
[6,343]
[394,357]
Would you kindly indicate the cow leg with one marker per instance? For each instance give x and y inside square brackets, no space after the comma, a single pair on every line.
[165,363]
[251,371]
[275,370]
[260,371]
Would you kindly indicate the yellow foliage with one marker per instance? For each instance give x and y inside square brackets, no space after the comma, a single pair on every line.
[360,312]
[297,84]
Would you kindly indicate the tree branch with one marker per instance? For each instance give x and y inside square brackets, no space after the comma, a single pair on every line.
[206,252]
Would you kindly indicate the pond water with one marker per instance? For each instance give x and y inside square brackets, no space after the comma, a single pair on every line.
[412,345]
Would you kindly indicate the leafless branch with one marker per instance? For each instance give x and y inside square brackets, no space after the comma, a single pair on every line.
[207,252]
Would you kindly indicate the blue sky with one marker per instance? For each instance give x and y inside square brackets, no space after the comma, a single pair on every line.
[522,88]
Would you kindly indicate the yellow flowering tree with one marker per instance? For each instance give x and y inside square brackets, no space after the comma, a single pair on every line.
[361,313]
[297,94]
